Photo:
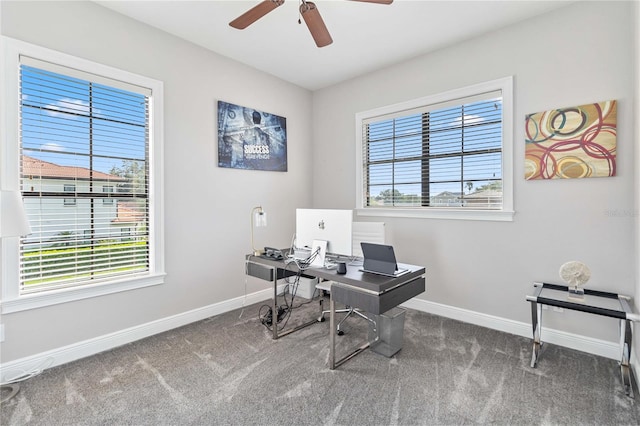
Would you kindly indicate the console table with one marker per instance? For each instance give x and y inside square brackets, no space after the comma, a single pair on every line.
[594,302]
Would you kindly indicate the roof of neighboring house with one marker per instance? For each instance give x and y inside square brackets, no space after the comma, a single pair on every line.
[35,167]
[448,194]
[128,213]
[489,193]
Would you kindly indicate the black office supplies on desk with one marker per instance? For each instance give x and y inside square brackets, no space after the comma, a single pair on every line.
[380,259]
[272,253]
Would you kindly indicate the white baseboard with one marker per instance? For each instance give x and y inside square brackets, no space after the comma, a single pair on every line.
[63,355]
[574,341]
[35,363]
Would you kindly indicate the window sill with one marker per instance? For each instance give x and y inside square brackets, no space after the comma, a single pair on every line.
[40,300]
[454,214]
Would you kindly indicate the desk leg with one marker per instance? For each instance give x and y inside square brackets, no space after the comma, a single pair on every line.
[274,308]
[536,318]
[333,364]
[625,343]
[332,333]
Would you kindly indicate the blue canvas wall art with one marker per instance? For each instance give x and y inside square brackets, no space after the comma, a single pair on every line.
[251,139]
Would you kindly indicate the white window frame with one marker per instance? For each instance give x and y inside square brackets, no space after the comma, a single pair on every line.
[11,300]
[505,85]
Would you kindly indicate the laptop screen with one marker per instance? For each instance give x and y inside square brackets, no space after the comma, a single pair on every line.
[379,258]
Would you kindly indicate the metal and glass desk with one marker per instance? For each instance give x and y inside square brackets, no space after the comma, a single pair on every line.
[371,293]
[594,302]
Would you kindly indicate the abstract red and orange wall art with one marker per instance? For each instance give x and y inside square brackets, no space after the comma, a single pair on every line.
[568,143]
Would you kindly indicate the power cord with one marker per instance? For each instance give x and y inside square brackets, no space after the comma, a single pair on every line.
[284,310]
[265,313]
[266,317]
[303,264]
[12,385]
[11,391]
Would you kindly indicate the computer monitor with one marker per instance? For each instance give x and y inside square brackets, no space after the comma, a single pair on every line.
[332,226]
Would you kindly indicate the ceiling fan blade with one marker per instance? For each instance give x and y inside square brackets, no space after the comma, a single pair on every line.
[376,1]
[316,25]
[255,13]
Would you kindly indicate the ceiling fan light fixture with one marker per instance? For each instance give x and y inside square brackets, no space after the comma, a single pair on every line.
[314,22]
[308,10]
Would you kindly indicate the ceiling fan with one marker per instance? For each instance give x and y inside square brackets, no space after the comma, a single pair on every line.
[308,10]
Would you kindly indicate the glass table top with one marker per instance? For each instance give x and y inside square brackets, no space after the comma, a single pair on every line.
[588,299]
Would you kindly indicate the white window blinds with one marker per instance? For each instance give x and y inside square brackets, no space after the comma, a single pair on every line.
[447,154]
[84,177]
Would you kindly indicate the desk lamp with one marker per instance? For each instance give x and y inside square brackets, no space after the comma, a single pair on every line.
[258,219]
[13,223]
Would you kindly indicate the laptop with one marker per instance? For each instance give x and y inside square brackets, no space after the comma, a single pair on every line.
[380,259]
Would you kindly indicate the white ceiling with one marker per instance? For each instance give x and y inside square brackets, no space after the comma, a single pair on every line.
[366,36]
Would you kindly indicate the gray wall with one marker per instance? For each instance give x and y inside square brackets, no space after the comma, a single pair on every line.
[579,54]
[582,53]
[207,208]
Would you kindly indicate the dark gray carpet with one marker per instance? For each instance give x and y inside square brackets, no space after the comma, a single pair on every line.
[226,370]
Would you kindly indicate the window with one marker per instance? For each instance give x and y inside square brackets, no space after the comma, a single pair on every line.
[107,189]
[67,188]
[444,156]
[93,131]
